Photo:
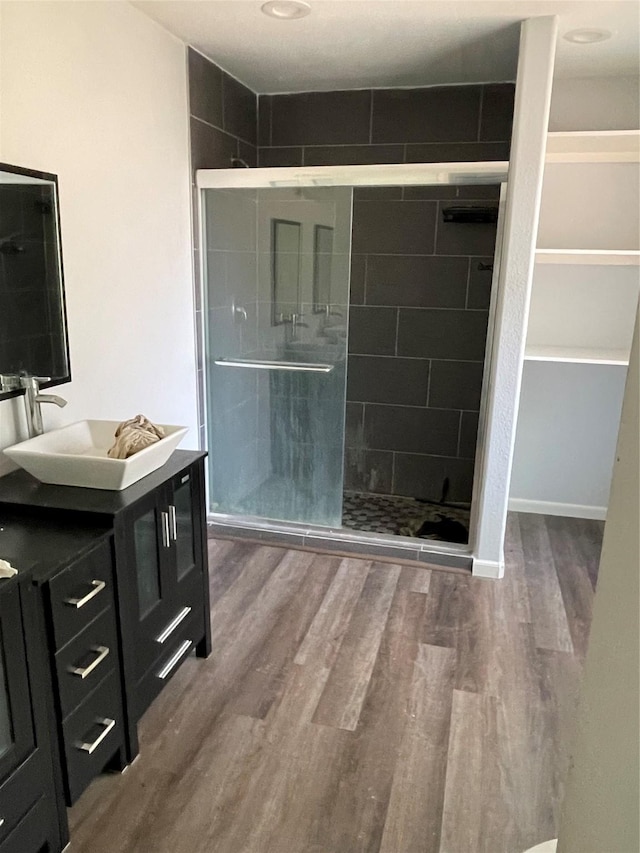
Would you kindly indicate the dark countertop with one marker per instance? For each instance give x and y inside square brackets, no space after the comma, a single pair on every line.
[42,547]
[20,489]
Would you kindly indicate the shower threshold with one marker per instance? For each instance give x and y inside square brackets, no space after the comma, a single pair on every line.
[342,540]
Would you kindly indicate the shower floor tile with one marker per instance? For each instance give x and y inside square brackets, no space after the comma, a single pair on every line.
[401,516]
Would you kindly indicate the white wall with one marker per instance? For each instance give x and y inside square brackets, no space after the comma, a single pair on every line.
[595,103]
[97,93]
[566,438]
[601,807]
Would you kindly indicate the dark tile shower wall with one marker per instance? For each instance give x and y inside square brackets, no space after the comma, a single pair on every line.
[223,126]
[436,124]
[420,288]
[417,332]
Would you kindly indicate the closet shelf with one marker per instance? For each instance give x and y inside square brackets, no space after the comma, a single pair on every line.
[593,146]
[576,355]
[608,257]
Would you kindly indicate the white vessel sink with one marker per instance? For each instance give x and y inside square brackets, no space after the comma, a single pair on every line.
[76,455]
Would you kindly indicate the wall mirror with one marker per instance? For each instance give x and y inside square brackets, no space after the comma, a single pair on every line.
[33,327]
[322,257]
[286,247]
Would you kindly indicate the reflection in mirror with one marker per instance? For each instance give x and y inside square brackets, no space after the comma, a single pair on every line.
[286,247]
[33,333]
[322,257]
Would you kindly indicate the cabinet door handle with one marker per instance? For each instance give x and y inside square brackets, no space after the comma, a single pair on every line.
[175,659]
[166,541]
[97,586]
[91,747]
[174,523]
[83,672]
[171,627]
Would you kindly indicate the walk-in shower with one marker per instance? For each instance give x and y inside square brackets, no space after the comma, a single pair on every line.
[345,348]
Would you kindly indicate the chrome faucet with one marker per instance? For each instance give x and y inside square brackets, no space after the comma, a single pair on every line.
[32,400]
[292,322]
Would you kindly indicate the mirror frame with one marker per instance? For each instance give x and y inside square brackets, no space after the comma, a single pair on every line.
[274,269]
[52,179]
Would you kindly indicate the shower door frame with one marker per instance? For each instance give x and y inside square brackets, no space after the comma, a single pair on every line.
[378,175]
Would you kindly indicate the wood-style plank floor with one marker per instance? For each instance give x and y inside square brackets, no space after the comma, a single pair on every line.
[351,706]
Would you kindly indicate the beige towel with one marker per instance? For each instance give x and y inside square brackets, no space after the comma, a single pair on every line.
[134,435]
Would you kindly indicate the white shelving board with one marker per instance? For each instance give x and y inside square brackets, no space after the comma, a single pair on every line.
[583,304]
[590,206]
[605,257]
[573,355]
[593,146]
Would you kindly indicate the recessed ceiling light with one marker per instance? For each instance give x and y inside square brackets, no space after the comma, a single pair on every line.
[286,10]
[587,36]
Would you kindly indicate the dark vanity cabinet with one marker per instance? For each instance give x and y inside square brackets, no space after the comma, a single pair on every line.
[84,658]
[164,593]
[155,599]
[31,815]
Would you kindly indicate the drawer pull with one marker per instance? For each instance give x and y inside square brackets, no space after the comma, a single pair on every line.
[97,586]
[175,659]
[174,523]
[91,747]
[171,627]
[166,541]
[83,672]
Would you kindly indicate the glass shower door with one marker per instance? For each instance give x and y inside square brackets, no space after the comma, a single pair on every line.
[277,298]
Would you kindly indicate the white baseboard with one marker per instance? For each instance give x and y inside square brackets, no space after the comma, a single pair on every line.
[551,508]
[487,569]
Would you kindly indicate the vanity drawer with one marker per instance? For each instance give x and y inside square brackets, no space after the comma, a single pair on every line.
[92,735]
[86,660]
[33,832]
[81,592]
[19,793]
[183,642]
[157,636]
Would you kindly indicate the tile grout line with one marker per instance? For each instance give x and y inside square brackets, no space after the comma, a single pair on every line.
[459,434]
[371,117]
[466,298]
[397,328]
[393,471]
[481,107]
[435,231]
[366,273]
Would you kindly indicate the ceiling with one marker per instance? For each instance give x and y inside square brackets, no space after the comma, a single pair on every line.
[351,44]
